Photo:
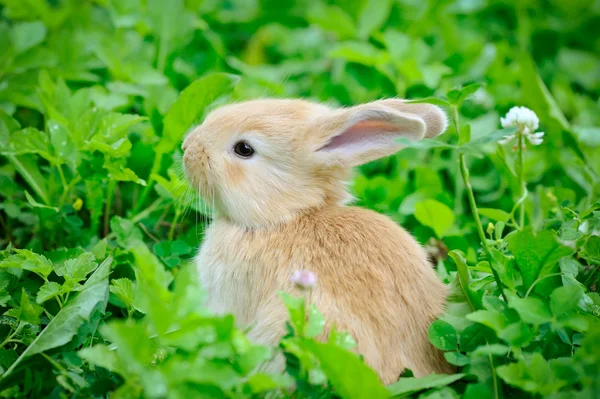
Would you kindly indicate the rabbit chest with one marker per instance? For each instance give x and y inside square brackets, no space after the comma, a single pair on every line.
[234,271]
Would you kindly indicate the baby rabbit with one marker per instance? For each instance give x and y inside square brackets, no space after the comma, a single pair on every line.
[276,172]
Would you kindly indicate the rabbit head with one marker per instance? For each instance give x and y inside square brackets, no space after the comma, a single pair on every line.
[262,162]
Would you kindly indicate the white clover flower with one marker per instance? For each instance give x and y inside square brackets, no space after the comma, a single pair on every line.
[535,138]
[526,121]
[304,279]
[520,117]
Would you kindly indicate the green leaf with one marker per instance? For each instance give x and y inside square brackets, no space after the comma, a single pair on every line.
[359,52]
[31,141]
[537,256]
[126,232]
[465,135]
[47,291]
[473,147]
[27,260]
[491,319]
[408,386]
[494,214]
[152,295]
[347,373]
[332,18]
[517,334]
[430,100]
[443,336]
[373,15]
[149,266]
[464,279]
[29,312]
[564,300]
[569,267]
[134,347]
[100,355]
[171,23]
[316,322]
[506,268]
[342,339]
[26,35]
[424,144]
[459,95]
[592,247]
[538,96]
[176,186]
[191,106]
[64,149]
[472,337]
[65,325]
[75,270]
[4,298]
[581,66]
[493,349]
[36,204]
[124,290]
[436,215]
[531,310]
[456,358]
[265,382]
[25,165]
[120,173]
[297,310]
[443,393]
[532,375]
[575,321]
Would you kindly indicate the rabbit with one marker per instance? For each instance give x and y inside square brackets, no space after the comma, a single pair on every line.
[276,171]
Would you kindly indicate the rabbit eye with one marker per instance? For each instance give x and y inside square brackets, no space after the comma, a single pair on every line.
[243,149]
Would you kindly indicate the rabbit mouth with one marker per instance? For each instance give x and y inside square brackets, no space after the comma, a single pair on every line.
[196,164]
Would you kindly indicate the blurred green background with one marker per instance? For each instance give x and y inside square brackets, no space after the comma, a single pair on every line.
[136,56]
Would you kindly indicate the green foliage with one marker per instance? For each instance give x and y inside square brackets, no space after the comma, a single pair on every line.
[98,224]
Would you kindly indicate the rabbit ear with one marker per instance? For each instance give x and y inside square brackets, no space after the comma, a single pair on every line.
[370,131]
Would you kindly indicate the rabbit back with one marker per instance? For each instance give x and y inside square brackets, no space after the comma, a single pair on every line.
[374,281]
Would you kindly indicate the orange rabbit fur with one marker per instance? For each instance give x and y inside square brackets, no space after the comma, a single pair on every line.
[282,208]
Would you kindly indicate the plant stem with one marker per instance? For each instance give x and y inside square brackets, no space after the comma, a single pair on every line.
[521,177]
[63,197]
[7,340]
[6,228]
[161,218]
[538,280]
[10,339]
[458,193]
[33,183]
[469,189]
[109,198]
[146,192]
[174,223]
[140,216]
[154,206]
[591,274]
[62,178]
[54,363]
[162,52]
[145,230]
[494,377]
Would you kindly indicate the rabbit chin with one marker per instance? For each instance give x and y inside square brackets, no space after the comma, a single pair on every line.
[266,206]
[245,211]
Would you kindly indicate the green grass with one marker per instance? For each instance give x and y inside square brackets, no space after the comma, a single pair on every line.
[97,224]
